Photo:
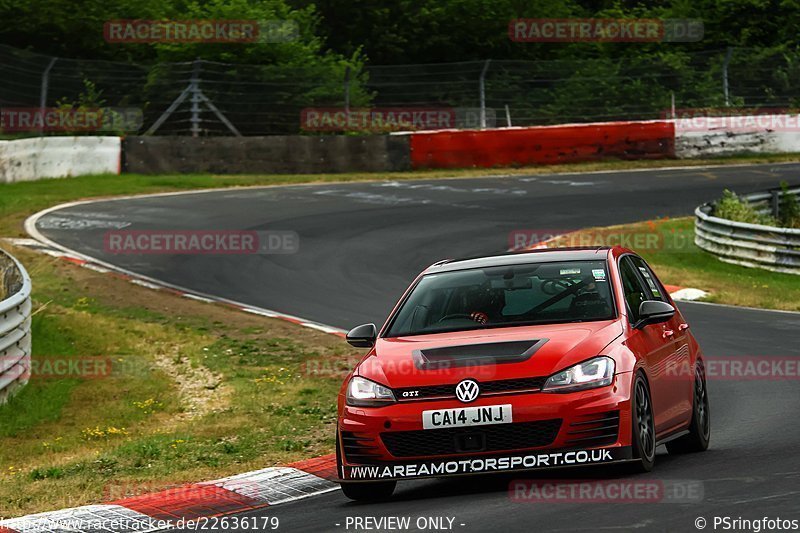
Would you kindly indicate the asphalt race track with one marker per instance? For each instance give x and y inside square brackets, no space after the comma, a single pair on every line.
[362,243]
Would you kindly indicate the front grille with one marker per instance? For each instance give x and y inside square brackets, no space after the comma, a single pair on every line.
[502,386]
[359,448]
[594,430]
[511,385]
[450,441]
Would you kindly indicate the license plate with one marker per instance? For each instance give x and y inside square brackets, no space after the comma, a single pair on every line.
[466,416]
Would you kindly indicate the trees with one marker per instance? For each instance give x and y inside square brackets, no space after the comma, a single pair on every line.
[540,82]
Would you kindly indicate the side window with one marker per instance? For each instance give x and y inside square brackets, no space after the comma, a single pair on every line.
[654,291]
[634,291]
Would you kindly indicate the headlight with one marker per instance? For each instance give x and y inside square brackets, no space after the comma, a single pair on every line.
[362,392]
[597,372]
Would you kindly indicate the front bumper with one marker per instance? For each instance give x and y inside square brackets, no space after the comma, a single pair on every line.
[581,435]
[403,470]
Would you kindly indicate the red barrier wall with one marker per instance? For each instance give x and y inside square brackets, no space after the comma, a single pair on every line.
[543,145]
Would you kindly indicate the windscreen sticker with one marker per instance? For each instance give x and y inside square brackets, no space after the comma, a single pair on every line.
[599,274]
[570,271]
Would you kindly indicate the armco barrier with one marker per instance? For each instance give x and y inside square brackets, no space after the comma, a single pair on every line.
[279,154]
[15,326]
[751,245]
[58,157]
[543,145]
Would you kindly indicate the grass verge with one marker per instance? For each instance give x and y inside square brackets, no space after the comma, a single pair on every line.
[136,390]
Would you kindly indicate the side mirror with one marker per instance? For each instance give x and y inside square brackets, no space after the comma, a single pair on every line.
[363,336]
[653,312]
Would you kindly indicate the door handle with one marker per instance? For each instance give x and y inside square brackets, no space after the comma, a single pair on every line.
[667,333]
[683,327]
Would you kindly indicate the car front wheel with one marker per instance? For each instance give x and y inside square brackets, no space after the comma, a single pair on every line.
[643,433]
[700,427]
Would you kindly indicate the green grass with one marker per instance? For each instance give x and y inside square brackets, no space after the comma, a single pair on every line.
[196,392]
[688,266]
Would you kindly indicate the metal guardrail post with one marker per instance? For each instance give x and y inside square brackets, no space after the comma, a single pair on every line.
[43,91]
[482,91]
[775,202]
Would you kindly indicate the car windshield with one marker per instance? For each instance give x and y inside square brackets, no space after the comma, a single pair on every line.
[540,293]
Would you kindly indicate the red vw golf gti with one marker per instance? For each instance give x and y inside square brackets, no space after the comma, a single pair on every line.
[543,359]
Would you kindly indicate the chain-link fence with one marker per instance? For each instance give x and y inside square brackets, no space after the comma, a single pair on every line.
[211,98]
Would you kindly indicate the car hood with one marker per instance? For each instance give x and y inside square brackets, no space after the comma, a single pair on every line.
[542,350]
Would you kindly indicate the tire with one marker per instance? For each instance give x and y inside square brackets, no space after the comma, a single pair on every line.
[369,491]
[643,435]
[700,426]
[364,491]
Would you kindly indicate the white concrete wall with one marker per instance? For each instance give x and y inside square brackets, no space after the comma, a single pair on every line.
[718,136]
[58,157]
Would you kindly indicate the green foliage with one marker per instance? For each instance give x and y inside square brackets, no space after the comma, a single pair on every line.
[426,31]
[571,81]
[390,31]
[42,399]
[789,210]
[731,207]
[90,97]
[64,29]
[90,103]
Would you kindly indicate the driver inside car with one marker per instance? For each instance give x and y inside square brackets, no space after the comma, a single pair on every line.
[487,305]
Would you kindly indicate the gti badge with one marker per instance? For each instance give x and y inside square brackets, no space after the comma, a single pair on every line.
[467,390]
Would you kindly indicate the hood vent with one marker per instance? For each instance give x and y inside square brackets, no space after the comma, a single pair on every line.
[492,353]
